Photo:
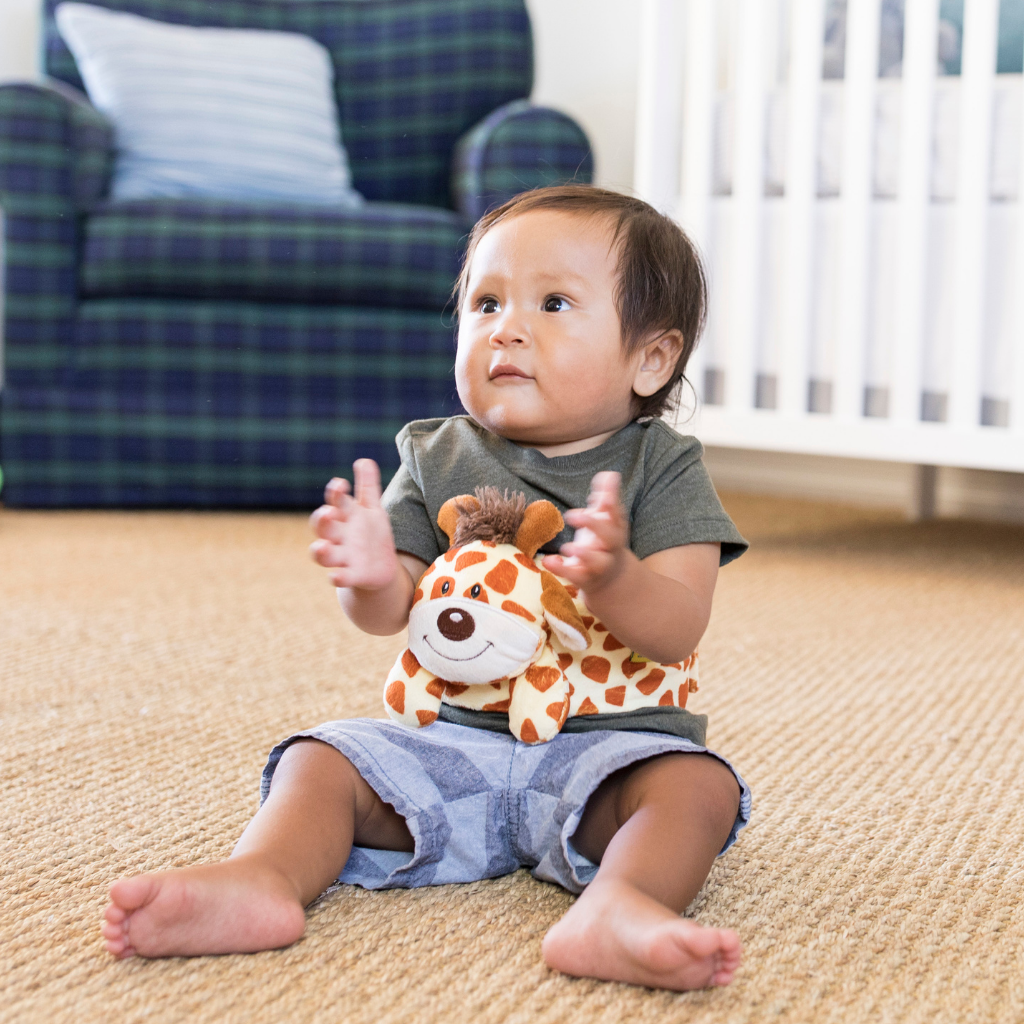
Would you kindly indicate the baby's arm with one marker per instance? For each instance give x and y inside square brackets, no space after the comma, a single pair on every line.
[375,582]
[659,606]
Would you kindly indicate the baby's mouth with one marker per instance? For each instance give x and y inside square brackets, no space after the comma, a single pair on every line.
[505,370]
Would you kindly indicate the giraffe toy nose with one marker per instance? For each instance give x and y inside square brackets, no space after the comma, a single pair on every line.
[455,624]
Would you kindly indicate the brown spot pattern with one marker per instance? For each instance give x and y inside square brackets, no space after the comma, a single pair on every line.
[409,663]
[693,685]
[498,705]
[482,596]
[630,668]
[417,595]
[574,591]
[542,677]
[564,660]
[517,609]
[435,688]
[673,664]
[526,561]
[454,689]
[683,694]
[666,698]
[468,558]
[395,696]
[600,627]
[588,707]
[611,644]
[528,733]
[450,554]
[435,590]
[615,695]
[426,717]
[595,667]
[588,621]
[429,569]
[502,577]
[651,681]
[558,711]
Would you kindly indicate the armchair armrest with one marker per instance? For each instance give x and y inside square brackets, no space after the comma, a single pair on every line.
[515,148]
[55,159]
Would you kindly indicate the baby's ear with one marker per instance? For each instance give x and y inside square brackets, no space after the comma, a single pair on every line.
[541,522]
[561,614]
[448,517]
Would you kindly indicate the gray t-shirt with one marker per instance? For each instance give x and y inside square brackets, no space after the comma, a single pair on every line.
[665,490]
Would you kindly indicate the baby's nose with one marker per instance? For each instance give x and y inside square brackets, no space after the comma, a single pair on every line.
[455,625]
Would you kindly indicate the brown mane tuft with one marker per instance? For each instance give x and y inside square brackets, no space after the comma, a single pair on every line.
[497,518]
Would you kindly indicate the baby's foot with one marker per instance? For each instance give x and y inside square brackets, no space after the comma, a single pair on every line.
[238,906]
[617,933]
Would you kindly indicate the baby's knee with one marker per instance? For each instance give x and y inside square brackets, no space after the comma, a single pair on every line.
[311,761]
[700,781]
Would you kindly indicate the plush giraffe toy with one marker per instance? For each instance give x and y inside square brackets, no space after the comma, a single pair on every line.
[491,630]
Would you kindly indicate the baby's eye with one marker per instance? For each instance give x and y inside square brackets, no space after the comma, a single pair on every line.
[555,304]
[445,587]
[475,590]
[489,306]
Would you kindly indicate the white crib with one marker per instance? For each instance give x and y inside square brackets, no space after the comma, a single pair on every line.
[862,235]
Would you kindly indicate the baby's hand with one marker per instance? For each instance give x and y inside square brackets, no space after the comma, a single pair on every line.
[595,555]
[355,532]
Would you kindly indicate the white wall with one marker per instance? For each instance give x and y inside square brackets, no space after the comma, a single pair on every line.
[19,39]
[586,64]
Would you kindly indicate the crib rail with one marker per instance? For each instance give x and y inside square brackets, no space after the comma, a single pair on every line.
[764,251]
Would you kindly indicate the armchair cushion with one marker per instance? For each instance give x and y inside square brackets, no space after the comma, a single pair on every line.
[387,255]
[517,147]
[230,113]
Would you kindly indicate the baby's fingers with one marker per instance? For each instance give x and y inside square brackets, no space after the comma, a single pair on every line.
[326,554]
[367,477]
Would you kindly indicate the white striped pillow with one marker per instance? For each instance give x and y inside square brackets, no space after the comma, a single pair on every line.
[225,113]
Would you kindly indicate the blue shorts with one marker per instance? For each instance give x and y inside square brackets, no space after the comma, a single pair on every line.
[481,804]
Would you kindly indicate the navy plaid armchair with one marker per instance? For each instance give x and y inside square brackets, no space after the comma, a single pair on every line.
[201,353]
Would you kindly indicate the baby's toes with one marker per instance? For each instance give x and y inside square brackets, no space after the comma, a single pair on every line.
[115,935]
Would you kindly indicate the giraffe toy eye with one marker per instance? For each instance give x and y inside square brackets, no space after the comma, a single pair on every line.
[445,587]
[475,591]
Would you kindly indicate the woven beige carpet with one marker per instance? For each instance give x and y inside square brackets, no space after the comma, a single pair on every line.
[865,674]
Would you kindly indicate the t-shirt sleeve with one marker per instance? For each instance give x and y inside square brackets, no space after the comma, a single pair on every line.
[679,505]
[410,522]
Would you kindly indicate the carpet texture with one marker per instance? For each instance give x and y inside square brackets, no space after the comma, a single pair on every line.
[865,674]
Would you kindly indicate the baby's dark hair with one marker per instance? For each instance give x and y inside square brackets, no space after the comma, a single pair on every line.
[661,281]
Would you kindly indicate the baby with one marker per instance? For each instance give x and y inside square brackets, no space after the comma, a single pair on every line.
[578,309]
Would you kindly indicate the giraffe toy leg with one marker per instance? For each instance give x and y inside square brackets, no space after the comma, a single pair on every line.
[412,695]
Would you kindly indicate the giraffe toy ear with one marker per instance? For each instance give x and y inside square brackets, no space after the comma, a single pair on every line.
[541,522]
[448,517]
[561,615]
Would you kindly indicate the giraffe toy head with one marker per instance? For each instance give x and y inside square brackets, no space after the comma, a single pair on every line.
[484,610]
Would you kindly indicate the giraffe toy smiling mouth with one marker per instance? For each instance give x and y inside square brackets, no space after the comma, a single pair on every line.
[491,630]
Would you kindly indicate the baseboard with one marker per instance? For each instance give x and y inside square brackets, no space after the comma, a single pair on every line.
[962,493]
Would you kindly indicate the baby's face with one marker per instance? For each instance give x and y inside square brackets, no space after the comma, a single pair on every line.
[540,357]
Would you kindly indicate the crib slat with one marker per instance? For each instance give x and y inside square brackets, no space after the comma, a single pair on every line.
[658,106]
[698,129]
[747,197]
[919,48]
[862,31]
[806,29]
[1017,382]
[972,199]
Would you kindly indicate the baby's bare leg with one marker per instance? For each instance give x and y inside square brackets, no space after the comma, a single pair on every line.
[655,828]
[291,851]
